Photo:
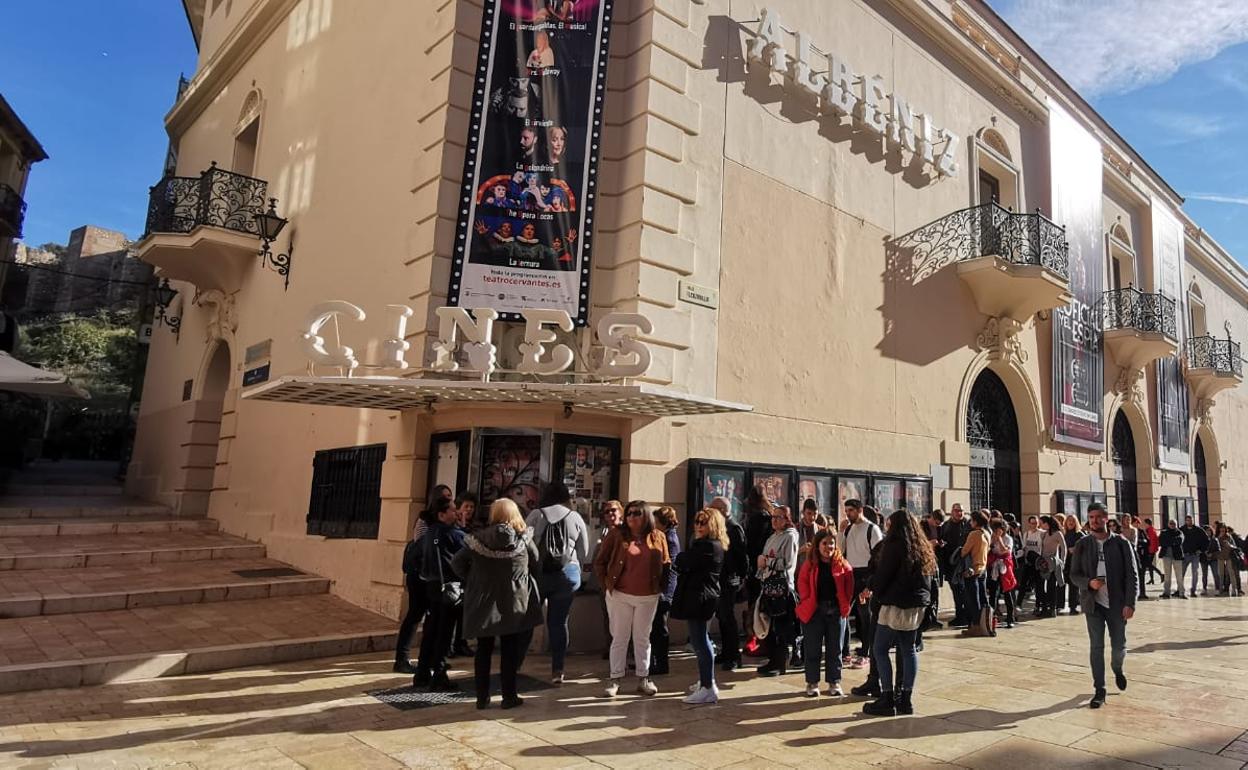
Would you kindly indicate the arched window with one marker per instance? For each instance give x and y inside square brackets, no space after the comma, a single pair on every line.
[1197,324]
[247,135]
[996,177]
[1121,267]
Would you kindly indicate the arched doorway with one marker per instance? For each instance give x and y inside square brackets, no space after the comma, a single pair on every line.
[1202,482]
[1122,453]
[992,432]
[217,374]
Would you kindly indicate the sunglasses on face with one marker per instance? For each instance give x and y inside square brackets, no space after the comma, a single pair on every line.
[701,522]
[634,513]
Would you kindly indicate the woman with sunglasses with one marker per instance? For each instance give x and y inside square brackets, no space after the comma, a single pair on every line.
[696,599]
[777,568]
[630,566]
[825,589]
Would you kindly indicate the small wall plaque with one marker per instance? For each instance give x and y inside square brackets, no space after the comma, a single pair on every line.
[696,294]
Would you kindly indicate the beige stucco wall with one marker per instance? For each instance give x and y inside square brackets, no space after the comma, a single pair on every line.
[710,174]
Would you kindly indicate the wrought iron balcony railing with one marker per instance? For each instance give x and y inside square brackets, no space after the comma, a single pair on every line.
[1209,352]
[12,211]
[217,198]
[1131,308]
[989,230]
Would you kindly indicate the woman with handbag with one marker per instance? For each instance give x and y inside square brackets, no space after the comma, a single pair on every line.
[698,569]
[1051,565]
[441,541]
[500,596]
[825,590]
[631,565]
[777,568]
[1001,578]
[900,586]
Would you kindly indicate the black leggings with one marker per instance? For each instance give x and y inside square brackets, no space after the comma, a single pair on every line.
[512,649]
[994,590]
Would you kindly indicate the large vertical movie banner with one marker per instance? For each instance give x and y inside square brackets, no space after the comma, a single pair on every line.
[525,226]
[1172,403]
[1078,355]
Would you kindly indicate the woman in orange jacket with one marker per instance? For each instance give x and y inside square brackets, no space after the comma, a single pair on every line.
[825,591]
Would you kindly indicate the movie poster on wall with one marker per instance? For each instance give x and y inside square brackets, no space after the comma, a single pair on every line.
[1078,357]
[524,233]
[1172,395]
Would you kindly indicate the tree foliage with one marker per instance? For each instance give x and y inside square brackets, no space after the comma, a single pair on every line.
[97,351]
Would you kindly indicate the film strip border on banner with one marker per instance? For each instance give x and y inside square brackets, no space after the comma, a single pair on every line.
[480,102]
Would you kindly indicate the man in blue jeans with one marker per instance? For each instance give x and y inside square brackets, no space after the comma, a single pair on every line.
[1195,541]
[1104,568]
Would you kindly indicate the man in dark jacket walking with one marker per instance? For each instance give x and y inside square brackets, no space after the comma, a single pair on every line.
[736,568]
[1105,570]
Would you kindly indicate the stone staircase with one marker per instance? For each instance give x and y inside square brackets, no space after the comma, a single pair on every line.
[97,588]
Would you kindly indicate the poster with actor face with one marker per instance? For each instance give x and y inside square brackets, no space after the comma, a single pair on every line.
[1078,357]
[525,227]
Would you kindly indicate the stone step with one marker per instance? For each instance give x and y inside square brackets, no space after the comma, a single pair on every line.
[69,551]
[27,593]
[14,507]
[148,642]
[22,489]
[111,525]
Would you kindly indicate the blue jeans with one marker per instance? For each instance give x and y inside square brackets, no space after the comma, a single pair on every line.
[976,598]
[558,589]
[700,640]
[1098,619]
[885,639]
[1191,562]
[822,637]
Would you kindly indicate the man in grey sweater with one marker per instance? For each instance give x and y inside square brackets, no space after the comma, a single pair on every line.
[1104,568]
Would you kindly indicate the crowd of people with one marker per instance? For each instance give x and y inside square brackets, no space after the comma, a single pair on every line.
[809,585]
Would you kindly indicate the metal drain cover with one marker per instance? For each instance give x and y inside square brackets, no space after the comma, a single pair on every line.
[408,698]
[269,572]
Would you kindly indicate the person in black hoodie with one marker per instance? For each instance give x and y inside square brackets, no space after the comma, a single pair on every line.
[899,584]
[441,541]
[736,569]
[417,598]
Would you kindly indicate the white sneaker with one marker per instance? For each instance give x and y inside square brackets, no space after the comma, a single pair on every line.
[703,695]
[557,679]
[691,689]
[812,691]
[612,688]
[835,690]
[646,687]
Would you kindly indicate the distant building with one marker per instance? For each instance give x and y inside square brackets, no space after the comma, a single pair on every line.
[19,150]
[96,271]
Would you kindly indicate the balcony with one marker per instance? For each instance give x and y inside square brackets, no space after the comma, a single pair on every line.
[1213,365]
[1139,327]
[1014,264]
[12,212]
[203,229]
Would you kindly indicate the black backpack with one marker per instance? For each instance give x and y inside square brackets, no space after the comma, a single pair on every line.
[556,549]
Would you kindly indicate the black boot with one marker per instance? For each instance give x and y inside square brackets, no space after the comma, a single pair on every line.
[440,682]
[868,688]
[883,706]
[422,677]
[403,666]
[903,702]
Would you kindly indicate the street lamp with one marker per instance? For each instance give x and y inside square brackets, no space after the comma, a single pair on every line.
[270,225]
[165,294]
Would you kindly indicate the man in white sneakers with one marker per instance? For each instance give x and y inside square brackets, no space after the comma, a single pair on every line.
[1104,568]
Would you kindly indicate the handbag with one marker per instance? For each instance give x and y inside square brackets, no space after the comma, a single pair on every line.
[452,593]
[776,597]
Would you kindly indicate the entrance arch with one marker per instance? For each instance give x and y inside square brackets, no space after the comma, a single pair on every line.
[1123,456]
[216,379]
[992,432]
[1201,468]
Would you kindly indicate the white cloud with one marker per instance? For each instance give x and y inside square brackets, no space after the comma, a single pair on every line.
[1182,127]
[1212,198]
[1112,46]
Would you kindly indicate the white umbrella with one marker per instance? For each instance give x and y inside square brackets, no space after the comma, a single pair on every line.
[24,378]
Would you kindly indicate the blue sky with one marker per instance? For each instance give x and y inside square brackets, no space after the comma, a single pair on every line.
[93,81]
[1171,76]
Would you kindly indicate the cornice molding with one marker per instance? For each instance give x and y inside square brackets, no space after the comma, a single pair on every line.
[243,41]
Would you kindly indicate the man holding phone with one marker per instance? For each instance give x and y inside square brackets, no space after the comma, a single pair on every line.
[1104,568]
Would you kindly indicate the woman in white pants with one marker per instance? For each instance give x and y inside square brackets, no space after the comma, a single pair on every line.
[630,566]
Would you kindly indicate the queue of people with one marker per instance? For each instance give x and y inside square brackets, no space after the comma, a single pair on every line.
[808,585]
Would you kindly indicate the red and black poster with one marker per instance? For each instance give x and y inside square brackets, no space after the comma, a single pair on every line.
[525,228]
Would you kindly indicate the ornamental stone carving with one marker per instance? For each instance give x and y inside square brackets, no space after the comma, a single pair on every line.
[1204,409]
[1130,385]
[1000,338]
[222,314]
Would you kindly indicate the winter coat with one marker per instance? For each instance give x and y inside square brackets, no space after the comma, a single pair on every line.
[897,581]
[612,552]
[446,541]
[808,587]
[1195,541]
[500,593]
[673,551]
[698,569]
[1171,541]
[757,530]
[736,560]
[1122,574]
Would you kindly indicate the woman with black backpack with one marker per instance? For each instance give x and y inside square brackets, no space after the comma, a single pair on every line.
[562,541]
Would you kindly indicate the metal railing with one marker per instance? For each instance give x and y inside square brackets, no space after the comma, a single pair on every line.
[12,211]
[1131,308]
[217,198]
[989,230]
[1209,352]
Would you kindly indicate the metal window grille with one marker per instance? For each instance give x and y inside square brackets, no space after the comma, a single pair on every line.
[1202,483]
[992,431]
[1123,455]
[346,492]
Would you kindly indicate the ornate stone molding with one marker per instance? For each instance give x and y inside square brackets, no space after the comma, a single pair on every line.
[1000,338]
[1130,385]
[1204,409]
[222,314]
[983,40]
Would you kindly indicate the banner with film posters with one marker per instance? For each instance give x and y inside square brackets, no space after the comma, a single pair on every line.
[1172,395]
[524,234]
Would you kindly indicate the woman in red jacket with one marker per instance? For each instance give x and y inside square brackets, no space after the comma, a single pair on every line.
[825,590]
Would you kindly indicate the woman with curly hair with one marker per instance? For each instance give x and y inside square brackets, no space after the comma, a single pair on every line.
[900,586]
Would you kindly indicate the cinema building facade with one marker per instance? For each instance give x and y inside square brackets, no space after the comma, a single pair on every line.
[835,248]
